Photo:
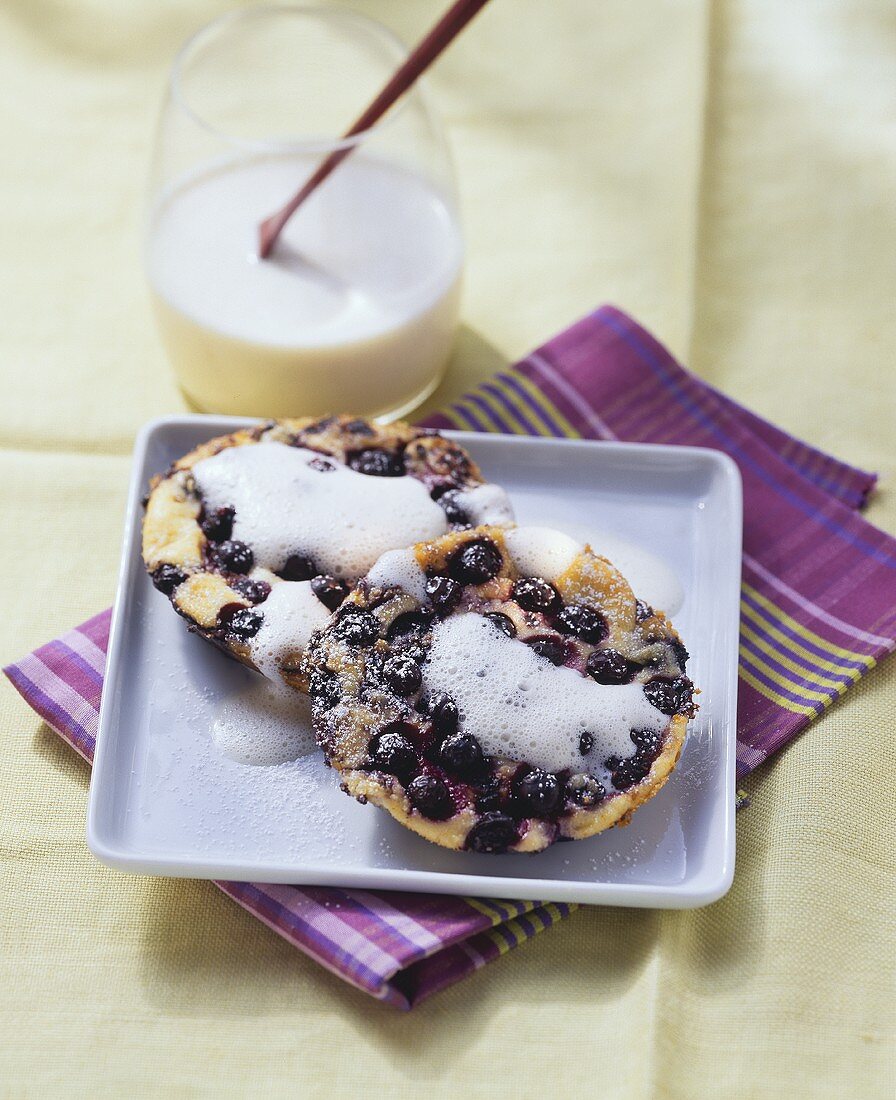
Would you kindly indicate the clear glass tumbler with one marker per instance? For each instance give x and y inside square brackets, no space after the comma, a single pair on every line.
[357,307]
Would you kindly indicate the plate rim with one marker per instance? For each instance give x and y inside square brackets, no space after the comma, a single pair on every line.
[670,896]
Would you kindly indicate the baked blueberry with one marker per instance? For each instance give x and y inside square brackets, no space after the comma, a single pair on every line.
[609,666]
[412,646]
[167,577]
[584,790]
[454,511]
[359,427]
[643,611]
[582,622]
[377,463]
[402,674]
[255,591]
[312,427]
[392,752]
[671,695]
[409,626]
[358,627]
[324,689]
[538,793]
[647,742]
[586,743]
[552,649]
[444,593]
[475,562]
[430,795]
[535,594]
[494,832]
[330,591]
[626,773]
[233,556]
[299,567]
[461,754]
[218,525]
[442,709]
[488,795]
[241,622]
[503,622]
[679,652]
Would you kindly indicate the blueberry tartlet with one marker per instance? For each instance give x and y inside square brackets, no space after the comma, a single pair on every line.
[257,537]
[498,690]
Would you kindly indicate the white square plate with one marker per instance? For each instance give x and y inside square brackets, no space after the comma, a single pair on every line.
[164,801]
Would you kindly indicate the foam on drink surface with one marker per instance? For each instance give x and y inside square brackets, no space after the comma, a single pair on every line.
[356,305]
[522,707]
[369,253]
[339,518]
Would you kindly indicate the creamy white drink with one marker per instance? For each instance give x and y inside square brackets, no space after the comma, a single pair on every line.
[355,310]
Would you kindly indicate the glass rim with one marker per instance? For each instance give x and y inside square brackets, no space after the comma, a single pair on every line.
[319,144]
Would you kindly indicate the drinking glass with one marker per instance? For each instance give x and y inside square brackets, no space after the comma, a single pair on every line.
[357,307]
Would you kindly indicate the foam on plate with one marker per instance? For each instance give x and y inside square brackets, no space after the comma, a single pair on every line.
[265,725]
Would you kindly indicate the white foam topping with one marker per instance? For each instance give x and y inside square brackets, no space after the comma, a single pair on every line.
[541,551]
[520,706]
[401,568]
[341,519]
[650,577]
[486,504]
[266,724]
[291,614]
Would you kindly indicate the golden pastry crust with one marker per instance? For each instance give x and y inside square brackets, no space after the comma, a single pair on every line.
[357,709]
[179,549]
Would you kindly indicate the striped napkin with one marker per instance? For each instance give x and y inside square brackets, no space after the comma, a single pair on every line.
[818,610]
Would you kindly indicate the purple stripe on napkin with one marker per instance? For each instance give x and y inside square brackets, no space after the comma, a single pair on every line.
[818,611]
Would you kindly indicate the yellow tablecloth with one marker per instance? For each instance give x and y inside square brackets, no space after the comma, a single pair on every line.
[724,171]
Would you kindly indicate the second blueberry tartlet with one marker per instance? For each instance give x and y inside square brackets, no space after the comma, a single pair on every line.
[498,690]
